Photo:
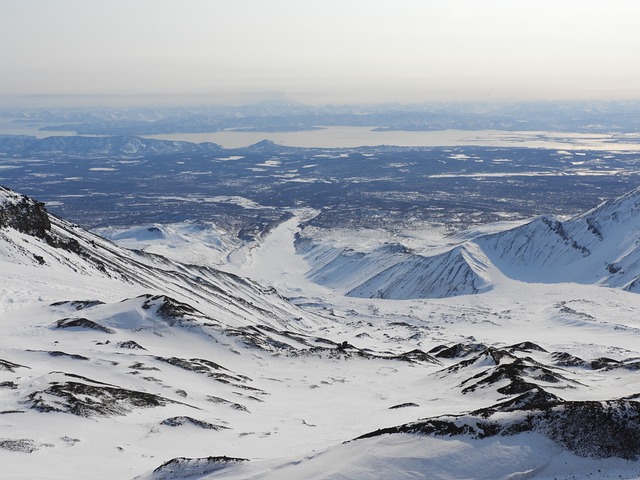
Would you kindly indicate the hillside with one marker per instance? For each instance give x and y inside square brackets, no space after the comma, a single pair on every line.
[116,362]
[598,247]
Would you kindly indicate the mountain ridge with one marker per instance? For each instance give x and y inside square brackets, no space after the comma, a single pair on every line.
[44,240]
[596,247]
[100,146]
[114,362]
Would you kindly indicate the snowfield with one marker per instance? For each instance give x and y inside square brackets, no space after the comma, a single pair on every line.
[340,359]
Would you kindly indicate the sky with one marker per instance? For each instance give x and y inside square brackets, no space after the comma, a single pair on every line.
[322,52]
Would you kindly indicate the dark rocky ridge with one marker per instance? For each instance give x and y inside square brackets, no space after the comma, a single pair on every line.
[30,217]
[87,400]
[597,429]
[23,214]
[186,420]
[82,323]
[182,467]
[588,429]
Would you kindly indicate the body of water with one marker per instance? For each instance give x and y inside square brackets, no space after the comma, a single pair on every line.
[347,137]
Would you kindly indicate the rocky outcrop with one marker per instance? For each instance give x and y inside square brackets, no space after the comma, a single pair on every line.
[182,467]
[23,214]
[588,429]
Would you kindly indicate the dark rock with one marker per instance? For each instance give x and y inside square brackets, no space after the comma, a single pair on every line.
[587,429]
[79,304]
[534,398]
[183,420]
[613,268]
[525,347]
[141,366]
[604,362]
[210,369]
[255,337]
[83,323]
[130,344]
[235,406]
[458,350]
[631,364]
[521,373]
[73,356]
[169,308]
[557,227]
[404,405]
[10,366]
[182,467]
[491,355]
[87,400]
[23,214]
[563,359]
[69,244]
[198,365]
[24,445]
[418,356]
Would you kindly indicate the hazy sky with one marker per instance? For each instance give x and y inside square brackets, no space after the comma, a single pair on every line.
[329,51]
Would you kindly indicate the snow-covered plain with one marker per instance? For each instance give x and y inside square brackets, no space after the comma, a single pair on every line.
[121,364]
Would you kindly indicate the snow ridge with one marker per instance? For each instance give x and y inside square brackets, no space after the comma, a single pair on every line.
[32,237]
[455,272]
[598,247]
[182,371]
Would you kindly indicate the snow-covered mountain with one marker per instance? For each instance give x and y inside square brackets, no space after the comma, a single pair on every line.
[32,237]
[455,272]
[599,247]
[116,363]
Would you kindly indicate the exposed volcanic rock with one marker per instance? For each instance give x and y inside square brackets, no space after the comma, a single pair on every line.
[182,467]
[588,429]
[23,214]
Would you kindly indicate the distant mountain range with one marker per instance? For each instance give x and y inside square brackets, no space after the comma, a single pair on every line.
[121,146]
[292,116]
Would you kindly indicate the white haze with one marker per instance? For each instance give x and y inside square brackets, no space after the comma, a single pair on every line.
[321,52]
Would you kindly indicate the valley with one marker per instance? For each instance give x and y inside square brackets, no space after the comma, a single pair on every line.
[370,322]
[319,240]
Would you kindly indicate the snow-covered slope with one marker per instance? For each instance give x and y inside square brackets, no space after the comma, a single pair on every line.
[456,272]
[198,243]
[344,268]
[598,247]
[35,238]
[114,363]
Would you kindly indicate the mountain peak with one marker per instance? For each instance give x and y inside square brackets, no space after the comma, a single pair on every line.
[263,146]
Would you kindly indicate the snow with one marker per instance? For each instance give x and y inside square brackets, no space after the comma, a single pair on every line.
[405,456]
[265,263]
[201,243]
[270,163]
[597,247]
[300,403]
